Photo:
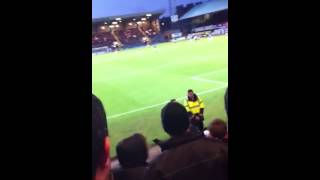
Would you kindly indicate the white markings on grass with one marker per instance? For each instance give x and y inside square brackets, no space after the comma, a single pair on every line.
[197,77]
[224,85]
[163,103]
[212,72]
[208,80]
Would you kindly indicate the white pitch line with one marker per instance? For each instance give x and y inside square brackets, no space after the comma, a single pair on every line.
[159,104]
[212,72]
[136,110]
[207,80]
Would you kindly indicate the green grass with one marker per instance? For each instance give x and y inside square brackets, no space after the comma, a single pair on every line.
[135,79]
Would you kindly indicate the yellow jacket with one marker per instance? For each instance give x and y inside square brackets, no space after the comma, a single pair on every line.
[194,106]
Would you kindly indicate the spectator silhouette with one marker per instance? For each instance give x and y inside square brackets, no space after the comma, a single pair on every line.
[218,130]
[132,154]
[100,142]
[186,155]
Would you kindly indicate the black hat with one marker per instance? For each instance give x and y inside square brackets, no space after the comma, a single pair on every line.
[174,118]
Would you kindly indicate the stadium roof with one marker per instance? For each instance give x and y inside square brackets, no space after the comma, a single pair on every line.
[127,16]
[205,8]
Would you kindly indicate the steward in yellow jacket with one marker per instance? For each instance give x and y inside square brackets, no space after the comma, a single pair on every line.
[195,108]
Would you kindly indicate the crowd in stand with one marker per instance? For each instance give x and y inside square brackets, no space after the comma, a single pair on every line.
[185,155]
[127,36]
[102,39]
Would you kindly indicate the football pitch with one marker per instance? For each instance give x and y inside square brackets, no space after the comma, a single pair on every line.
[135,84]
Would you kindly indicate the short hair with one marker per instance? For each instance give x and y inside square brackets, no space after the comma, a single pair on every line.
[218,128]
[99,134]
[190,90]
[174,118]
[132,151]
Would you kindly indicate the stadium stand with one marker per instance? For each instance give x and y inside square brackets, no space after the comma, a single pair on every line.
[185,155]
[102,39]
[127,30]
[195,20]
[206,8]
[208,17]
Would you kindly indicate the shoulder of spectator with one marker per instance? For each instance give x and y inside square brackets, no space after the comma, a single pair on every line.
[152,172]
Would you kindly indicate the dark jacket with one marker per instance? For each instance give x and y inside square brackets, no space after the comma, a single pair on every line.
[226,101]
[189,157]
[136,173]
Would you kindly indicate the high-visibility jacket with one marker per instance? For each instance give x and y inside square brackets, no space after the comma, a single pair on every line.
[194,107]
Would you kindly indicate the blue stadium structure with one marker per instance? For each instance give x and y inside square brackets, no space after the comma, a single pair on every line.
[206,8]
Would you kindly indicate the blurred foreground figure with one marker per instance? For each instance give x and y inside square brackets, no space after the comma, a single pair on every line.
[100,142]
[187,156]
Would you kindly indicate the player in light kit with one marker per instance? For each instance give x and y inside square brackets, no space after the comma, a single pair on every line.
[117,46]
[146,41]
